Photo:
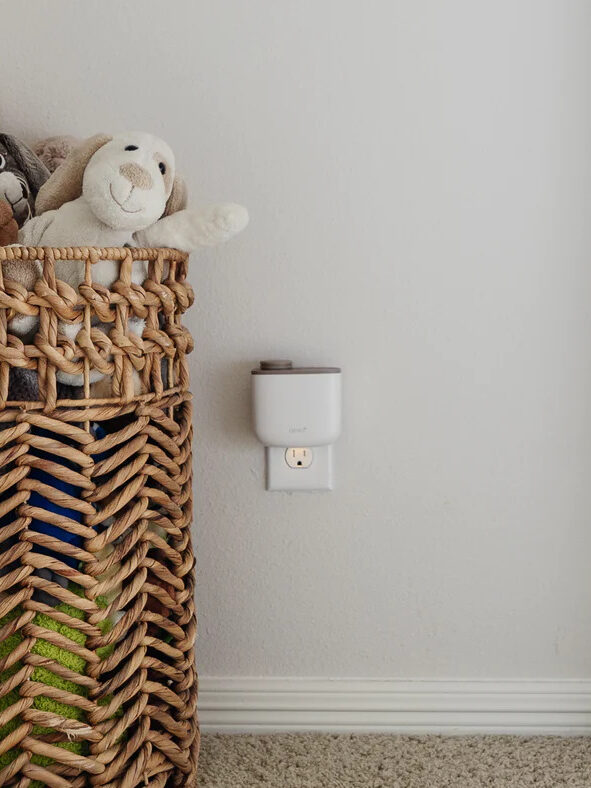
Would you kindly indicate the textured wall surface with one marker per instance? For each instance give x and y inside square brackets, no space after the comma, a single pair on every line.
[419,180]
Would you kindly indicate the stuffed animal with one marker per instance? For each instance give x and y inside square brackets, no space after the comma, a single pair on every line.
[22,174]
[117,191]
[54,150]
[8,224]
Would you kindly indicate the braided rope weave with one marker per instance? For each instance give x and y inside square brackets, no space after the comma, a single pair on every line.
[127,717]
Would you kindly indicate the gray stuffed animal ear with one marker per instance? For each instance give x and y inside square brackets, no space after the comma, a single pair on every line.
[27,162]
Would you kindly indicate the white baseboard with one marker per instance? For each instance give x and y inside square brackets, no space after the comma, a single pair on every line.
[267,705]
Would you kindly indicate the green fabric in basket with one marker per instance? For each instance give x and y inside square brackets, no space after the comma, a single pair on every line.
[66,658]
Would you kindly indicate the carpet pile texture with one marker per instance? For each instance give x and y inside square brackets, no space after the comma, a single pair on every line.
[378,761]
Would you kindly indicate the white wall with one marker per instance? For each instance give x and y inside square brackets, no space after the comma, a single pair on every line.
[419,179]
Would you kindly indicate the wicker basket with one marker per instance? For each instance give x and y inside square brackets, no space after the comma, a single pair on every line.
[97,677]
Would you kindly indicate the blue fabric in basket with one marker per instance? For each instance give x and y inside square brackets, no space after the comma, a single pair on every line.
[39,501]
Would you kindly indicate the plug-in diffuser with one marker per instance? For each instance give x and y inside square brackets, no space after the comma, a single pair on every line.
[297,416]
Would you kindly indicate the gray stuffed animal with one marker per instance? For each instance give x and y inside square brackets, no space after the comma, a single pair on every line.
[22,174]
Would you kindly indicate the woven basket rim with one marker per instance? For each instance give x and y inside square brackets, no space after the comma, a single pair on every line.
[170,295]
[93,253]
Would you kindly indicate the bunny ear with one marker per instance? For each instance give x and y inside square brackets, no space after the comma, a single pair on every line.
[28,163]
[178,197]
[65,183]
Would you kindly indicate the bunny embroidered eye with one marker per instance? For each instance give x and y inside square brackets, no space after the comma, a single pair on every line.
[162,167]
[2,162]
[131,147]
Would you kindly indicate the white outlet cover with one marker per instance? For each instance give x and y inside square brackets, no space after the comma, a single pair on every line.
[317,476]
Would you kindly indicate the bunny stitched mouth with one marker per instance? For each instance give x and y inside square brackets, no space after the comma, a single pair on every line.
[119,204]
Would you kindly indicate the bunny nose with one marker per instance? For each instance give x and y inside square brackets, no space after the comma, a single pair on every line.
[136,175]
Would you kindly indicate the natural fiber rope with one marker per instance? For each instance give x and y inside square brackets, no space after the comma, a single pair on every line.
[131,620]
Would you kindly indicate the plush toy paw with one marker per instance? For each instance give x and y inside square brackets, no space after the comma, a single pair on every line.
[230,218]
[8,225]
[54,150]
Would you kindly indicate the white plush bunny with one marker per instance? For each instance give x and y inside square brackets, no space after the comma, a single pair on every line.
[117,191]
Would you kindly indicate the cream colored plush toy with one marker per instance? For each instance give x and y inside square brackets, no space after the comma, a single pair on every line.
[117,191]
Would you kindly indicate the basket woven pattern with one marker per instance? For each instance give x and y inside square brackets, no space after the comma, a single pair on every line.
[97,677]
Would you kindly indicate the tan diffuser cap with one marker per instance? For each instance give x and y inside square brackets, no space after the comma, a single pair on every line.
[282,366]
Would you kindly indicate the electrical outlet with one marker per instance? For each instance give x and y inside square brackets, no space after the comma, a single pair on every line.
[299,458]
[285,473]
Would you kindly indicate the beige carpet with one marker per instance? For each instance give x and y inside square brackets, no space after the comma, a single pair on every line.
[323,761]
